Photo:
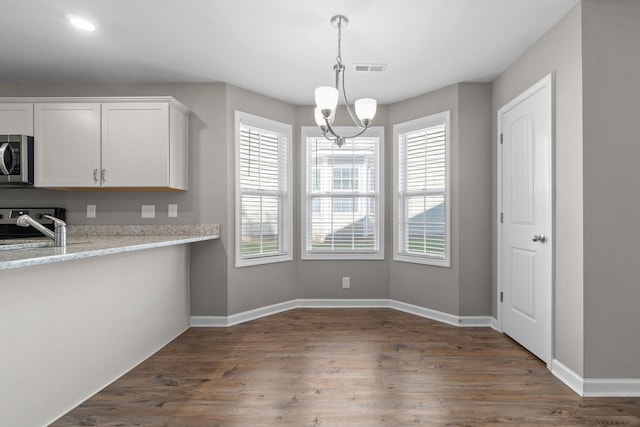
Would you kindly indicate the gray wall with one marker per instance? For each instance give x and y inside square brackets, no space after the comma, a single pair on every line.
[557,52]
[474,198]
[428,286]
[323,279]
[611,67]
[465,288]
[262,285]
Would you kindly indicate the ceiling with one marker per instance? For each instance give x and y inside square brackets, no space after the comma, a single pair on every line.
[280,48]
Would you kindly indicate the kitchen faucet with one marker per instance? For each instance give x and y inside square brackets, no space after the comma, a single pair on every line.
[58,235]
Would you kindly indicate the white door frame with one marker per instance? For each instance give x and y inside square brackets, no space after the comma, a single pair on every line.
[547,80]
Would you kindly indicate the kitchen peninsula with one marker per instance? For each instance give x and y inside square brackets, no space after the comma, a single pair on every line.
[74,319]
[91,241]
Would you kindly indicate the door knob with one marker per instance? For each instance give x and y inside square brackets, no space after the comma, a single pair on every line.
[539,238]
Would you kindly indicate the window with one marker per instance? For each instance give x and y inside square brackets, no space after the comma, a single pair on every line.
[342,213]
[345,178]
[421,191]
[263,188]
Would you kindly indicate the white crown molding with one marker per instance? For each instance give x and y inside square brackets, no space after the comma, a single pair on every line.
[41,99]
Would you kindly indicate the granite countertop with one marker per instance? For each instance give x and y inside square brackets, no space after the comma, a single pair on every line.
[91,241]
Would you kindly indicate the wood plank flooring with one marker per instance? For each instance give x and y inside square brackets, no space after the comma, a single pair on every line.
[345,367]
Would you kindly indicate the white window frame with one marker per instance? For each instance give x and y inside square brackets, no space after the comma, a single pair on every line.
[286,210]
[398,210]
[305,208]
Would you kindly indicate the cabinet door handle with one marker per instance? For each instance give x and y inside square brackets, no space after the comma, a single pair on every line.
[103,173]
[95,175]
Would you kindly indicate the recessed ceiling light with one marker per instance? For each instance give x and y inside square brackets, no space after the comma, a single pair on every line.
[81,23]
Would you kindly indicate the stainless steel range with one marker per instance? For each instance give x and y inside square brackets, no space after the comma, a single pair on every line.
[9,216]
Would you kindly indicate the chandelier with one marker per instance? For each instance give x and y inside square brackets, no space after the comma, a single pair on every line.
[327,98]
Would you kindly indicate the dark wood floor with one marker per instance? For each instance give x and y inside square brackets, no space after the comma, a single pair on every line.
[345,367]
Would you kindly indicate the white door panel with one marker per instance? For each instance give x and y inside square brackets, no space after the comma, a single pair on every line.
[526,228]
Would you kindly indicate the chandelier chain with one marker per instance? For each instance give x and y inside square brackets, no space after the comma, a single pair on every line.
[339,57]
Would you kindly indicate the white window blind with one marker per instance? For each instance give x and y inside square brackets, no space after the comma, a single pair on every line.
[263,211]
[422,191]
[342,216]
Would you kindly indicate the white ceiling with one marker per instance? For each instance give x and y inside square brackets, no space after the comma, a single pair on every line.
[280,48]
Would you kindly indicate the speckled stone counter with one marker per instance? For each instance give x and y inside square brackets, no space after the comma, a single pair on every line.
[97,240]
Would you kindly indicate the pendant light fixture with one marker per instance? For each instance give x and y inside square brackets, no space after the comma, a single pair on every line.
[327,98]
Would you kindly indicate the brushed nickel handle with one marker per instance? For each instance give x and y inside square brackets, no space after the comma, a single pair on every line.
[539,238]
[7,169]
[95,175]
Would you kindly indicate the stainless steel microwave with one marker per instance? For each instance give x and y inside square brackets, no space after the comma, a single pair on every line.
[16,160]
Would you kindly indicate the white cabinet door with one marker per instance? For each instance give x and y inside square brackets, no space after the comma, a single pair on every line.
[16,119]
[68,145]
[135,144]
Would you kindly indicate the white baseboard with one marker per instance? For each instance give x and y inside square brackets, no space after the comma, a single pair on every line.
[494,324]
[245,316]
[342,303]
[235,319]
[439,316]
[209,321]
[596,387]
[611,387]
[567,376]
[450,319]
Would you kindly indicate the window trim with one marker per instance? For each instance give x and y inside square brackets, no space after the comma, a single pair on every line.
[403,128]
[313,131]
[287,224]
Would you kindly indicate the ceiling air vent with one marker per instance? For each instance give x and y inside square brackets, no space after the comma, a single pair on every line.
[369,68]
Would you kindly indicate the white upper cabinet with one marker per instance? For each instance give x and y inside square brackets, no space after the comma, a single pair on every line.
[129,143]
[67,145]
[16,118]
[135,144]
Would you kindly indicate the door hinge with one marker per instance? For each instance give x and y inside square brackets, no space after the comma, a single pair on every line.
[501,138]
[501,217]
[501,296]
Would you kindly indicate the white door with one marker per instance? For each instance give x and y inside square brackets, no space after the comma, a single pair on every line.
[526,235]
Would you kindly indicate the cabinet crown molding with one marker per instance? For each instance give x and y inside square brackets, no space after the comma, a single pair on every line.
[102,99]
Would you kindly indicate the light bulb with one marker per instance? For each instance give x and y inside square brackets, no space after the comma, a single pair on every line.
[317,114]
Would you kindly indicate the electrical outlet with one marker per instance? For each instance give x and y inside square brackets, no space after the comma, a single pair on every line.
[172,211]
[91,211]
[148,211]
[346,282]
